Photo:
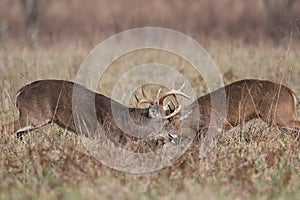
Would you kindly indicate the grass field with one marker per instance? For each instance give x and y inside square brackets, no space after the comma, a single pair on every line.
[53,164]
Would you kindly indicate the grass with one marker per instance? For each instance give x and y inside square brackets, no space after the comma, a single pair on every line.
[53,164]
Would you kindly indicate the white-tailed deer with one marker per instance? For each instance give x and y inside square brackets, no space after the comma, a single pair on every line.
[249,99]
[51,101]
[245,100]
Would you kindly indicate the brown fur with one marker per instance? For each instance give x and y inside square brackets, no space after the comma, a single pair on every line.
[50,101]
[246,100]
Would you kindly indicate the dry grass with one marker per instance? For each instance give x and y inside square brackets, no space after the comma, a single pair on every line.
[51,163]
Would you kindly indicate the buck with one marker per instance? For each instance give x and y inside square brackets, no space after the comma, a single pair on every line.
[52,101]
[243,101]
[249,99]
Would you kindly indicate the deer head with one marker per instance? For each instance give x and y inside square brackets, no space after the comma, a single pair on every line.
[170,113]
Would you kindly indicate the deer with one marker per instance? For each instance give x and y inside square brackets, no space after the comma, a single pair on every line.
[250,99]
[50,101]
[243,101]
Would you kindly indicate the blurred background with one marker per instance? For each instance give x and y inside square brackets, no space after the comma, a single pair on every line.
[44,22]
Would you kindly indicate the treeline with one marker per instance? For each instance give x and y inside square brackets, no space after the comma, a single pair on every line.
[48,20]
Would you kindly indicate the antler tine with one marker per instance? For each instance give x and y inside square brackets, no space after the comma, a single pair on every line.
[143,92]
[172,102]
[174,92]
[157,96]
[177,110]
[145,99]
[183,84]
[137,101]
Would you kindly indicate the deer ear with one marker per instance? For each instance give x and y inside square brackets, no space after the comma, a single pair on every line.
[186,114]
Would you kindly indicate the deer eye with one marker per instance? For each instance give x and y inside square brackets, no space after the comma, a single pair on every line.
[152,111]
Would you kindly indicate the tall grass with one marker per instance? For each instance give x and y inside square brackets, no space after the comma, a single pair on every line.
[51,163]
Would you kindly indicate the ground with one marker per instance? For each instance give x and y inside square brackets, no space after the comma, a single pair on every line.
[52,163]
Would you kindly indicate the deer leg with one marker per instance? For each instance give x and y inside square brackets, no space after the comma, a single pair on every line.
[293,126]
[29,128]
[290,126]
[27,123]
[282,116]
[287,122]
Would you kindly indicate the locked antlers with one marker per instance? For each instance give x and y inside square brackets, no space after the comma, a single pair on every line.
[159,101]
[145,99]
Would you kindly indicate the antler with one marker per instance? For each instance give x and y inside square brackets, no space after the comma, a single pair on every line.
[173,92]
[145,99]
[159,101]
[166,107]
